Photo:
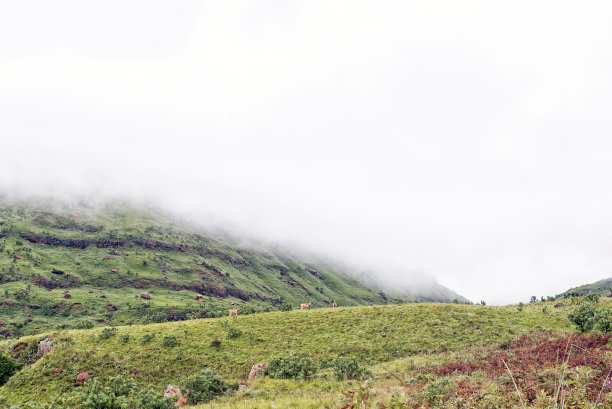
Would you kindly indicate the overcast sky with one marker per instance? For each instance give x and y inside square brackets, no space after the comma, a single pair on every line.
[469,140]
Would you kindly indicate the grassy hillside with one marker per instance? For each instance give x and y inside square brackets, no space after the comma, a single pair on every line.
[601,287]
[83,266]
[370,334]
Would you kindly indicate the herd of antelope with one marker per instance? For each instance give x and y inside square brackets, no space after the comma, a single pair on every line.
[303,306]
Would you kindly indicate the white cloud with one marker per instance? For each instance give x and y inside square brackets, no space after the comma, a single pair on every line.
[469,140]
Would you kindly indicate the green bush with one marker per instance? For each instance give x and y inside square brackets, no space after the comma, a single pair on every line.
[7,369]
[125,338]
[120,392]
[285,307]
[107,333]
[233,332]
[26,354]
[604,321]
[215,343]
[170,341]
[583,316]
[347,368]
[205,386]
[297,365]
[146,338]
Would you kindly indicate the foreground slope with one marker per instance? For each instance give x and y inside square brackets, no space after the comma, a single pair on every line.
[369,334]
[79,266]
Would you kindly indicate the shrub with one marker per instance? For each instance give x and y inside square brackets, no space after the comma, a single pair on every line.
[233,332]
[215,343]
[149,398]
[205,386]
[520,307]
[146,338]
[285,307]
[604,321]
[583,316]
[84,325]
[7,369]
[107,333]
[26,354]
[347,368]
[121,393]
[296,365]
[125,338]
[170,341]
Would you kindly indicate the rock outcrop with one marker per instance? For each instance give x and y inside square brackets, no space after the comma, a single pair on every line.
[44,347]
[172,390]
[257,369]
[82,376]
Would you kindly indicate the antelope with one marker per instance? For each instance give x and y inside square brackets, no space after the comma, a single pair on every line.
[234,311]
[335,304]
[305,306]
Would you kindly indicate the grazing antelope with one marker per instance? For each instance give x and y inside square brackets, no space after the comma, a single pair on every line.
[335,304]
[234,311]
[305,306]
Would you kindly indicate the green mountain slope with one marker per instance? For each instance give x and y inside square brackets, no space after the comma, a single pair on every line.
[369,334]
[78,266]
[601,287]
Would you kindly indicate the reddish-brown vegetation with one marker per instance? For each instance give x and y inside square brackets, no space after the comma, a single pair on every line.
[535,362]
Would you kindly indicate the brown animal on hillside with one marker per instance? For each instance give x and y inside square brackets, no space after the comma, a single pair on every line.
[233,312]
[305,306]
[335,304]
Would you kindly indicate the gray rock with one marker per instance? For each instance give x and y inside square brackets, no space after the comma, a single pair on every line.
[44,347]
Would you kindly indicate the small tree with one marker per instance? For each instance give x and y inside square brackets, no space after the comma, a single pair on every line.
[604,321]
[296,365]
[7,369]
[347,368]
[583,316]
[205,386]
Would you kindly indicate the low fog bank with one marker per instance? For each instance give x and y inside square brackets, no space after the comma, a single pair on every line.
[394,281]
[469,140]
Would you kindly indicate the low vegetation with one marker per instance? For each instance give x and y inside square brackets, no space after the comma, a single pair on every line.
[81,268]
[369,335]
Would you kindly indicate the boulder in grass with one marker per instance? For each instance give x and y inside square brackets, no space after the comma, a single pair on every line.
[172,390]
[57,272]
[559,305]
[82,376]
[44,347]
[145,296]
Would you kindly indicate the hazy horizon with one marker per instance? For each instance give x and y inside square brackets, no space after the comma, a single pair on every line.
[469,141]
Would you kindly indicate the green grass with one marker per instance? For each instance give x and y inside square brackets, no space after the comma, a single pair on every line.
[150,253]
[602,288]
[370,334]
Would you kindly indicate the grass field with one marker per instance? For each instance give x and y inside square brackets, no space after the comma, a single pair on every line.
[62,268]
[372,335]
